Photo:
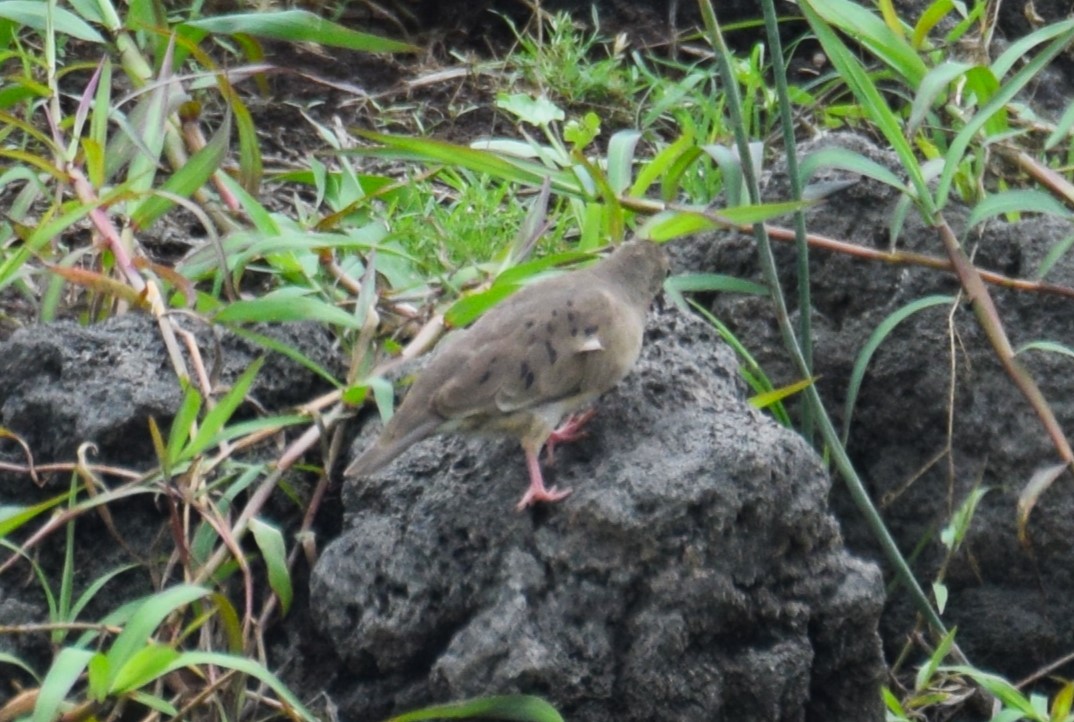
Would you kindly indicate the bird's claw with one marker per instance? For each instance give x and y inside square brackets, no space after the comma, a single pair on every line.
[571,430]
[536,494]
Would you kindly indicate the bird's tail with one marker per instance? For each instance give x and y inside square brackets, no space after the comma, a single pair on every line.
[388,446]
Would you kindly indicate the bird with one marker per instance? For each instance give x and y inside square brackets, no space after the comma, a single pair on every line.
[536,358]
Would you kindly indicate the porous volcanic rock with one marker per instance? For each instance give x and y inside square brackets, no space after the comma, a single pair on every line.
[694,573]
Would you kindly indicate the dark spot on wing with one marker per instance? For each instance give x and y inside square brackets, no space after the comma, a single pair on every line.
[529,323]
[590,330]
[570,316]
[554,313]
[485,377]
[550,328]
[570,303]
[526,374]
[552,355]
[574,330]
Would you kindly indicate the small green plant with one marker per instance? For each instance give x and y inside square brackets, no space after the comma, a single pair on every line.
[559,60]
[938,688]
[146,650]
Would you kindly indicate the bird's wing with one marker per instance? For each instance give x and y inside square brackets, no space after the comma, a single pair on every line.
[536,349]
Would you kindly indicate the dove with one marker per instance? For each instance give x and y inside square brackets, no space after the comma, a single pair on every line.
[536,358]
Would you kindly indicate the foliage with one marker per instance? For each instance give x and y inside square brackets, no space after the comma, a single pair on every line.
[81,153]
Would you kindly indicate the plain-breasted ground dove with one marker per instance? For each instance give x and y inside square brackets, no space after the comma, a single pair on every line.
[544,353]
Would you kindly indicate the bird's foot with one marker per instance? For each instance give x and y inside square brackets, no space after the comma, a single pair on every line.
[570,430]
[539,493]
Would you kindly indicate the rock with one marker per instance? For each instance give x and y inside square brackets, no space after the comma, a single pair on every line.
[695,573]
[1002,596]
[63,384]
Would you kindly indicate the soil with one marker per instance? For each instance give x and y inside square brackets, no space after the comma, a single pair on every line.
[784,623]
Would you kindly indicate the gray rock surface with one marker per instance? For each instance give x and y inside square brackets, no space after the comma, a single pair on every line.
[936,369]
[64,384]
[695,572]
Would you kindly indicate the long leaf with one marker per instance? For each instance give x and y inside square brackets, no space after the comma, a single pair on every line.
[658,167]
[1016,52]
[250,165]
[91,591]
[621,159]
[1021,200]
[983,85]
[148,615]
[936,11]
[143,139]
[769,398]
[927,670]
[185,181]
[468,308]
[712,283]
[248,667]
[33,14]
[858,22]
[1062,128]
[1028,73]
[274,552]
[14,661]
[1038,483]
[875,339]
[518,708]
[667,225]
[156,703]
[13,517]
[935,82]
[516,170]
[868,94]
[29,129]
[145,666]
[183,422]
[299,26]
[214,421]
[1050,346]
[283,305]
[1001,688]
[99,283]
[845,159]
[62,675]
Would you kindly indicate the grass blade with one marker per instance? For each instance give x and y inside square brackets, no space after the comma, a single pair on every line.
[292,303]
[247,667]
[875,339]
[219,415]
[299,26]
[1022,200]
[517,708]
[148,615]
[62,675]
[1064,32]
[185,181]
[274,552]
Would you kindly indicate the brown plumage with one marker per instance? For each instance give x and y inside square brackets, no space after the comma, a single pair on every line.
[547,351]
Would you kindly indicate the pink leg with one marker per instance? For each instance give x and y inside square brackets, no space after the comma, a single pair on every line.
[571,430]
[537,491]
